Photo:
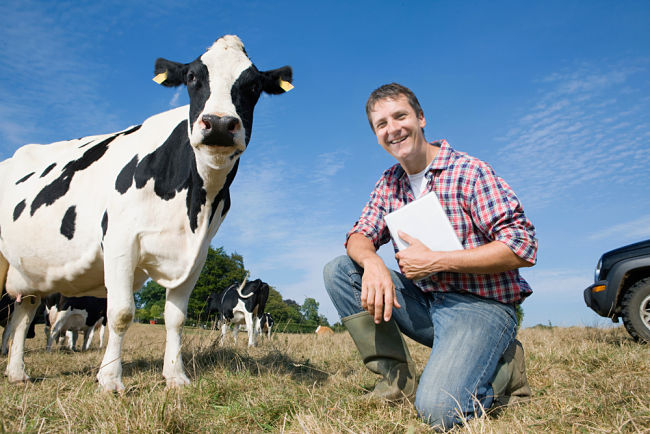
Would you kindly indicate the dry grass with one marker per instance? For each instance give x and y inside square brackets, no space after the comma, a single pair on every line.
[583,380]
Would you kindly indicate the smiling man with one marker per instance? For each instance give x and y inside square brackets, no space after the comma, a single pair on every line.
[460,303]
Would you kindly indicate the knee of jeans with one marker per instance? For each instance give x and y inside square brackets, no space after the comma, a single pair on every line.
[333,269]
[439,412]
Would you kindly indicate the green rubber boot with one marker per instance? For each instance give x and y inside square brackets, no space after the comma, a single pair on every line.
[384,352]
[510,384]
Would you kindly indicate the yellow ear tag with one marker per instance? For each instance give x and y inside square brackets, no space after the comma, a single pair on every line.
[285,85]
[160,78]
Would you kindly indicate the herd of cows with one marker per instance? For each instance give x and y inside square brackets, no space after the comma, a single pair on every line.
[99,215]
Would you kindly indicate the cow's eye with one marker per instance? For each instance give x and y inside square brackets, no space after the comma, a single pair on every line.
[191,78]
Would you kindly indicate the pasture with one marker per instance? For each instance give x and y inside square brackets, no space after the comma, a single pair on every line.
[583,380]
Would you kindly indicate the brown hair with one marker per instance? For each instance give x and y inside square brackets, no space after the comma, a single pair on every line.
[392,91]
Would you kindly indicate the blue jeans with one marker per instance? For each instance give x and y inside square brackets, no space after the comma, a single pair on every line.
[467,335]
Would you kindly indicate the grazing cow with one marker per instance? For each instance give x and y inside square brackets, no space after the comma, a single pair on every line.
[324,331]
[72,315]
[239,305]
[110,211]
[265,324]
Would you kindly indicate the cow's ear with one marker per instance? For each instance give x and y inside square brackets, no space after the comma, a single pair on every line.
[278,80]
[168,73]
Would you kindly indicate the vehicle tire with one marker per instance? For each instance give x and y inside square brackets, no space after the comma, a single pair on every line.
[636,310]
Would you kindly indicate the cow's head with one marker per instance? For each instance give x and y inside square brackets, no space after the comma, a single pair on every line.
[224,86]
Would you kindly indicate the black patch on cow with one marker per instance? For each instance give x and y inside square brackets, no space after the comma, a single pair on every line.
[172,166]
[131,130]
[244,93]
[197,81]
[60,186]
[104,224]
[19,209]
[24,178]
[224,193]
[68,222]
[48,169]
[125,178]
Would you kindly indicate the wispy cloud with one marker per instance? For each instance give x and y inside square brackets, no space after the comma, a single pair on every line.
[632,230]
[588,126]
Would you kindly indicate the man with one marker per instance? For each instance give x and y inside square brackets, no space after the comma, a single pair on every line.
[460,303]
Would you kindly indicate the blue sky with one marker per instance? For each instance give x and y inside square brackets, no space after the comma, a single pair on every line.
[555,95]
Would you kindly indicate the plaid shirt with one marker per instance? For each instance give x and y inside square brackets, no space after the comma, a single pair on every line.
[481,208]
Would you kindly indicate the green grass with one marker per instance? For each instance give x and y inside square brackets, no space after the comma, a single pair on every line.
[583,380]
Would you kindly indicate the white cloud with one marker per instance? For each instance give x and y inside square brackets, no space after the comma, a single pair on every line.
[632,230]
[577,134]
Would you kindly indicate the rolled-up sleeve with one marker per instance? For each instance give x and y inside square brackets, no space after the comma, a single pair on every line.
[497,212]
[371,223]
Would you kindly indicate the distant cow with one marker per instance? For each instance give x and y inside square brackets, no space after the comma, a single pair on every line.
[112,210]
[265,324]
[324,331]
[239,305]
[72,315]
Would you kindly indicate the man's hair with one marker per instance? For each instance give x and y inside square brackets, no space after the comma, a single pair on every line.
[392,91]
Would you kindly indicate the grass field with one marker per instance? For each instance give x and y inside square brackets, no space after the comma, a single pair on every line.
[583,380]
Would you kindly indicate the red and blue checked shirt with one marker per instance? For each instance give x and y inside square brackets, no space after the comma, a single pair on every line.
[481,208]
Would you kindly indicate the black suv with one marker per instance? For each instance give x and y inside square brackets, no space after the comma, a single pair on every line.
[622,288]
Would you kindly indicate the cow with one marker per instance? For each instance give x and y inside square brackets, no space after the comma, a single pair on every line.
[265,324]
[324,331]
[113,210]
[237,305]
[72,315]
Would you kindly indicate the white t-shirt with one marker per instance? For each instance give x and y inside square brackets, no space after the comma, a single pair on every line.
[419,182]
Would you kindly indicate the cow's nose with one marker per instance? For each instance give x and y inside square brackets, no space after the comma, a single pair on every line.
[219,130]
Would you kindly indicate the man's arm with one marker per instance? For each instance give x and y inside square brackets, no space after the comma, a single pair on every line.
[377,289]
[417,261]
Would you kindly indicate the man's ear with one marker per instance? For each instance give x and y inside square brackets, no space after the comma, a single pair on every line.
[278,80]
[169,74]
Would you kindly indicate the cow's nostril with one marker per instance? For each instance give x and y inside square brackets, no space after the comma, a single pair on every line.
[205,123]
[233,125]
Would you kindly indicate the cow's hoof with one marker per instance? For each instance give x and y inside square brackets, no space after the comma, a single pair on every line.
[17,377]
[178,381]
[109,383]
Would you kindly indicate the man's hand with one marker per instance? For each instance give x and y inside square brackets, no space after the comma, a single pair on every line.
[417,260]
[378,291]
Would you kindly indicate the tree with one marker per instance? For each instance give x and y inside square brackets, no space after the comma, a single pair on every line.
[309,310]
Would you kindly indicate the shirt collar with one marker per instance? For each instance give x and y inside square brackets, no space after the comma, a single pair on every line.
[440,161]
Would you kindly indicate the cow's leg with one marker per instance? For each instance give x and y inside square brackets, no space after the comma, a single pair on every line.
[5,340]
[175,310]
[56,330]
[20,320]
[102,329]
[224,330]
[235,332]
[118,278]
[88,337]
[71,335]
[250,327]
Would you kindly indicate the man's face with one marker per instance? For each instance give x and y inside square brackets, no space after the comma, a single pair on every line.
[398,128]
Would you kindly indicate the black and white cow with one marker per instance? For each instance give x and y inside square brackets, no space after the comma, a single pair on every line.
[110,211]
[265,324]
[238,305]
[72,315]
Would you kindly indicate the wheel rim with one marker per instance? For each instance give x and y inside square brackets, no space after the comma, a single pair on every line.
[644,311]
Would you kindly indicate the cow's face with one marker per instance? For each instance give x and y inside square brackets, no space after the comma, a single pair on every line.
[223,86]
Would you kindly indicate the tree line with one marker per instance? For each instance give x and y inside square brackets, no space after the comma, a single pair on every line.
[220,271]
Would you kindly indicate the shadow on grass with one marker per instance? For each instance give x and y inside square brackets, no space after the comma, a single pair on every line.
[232,360]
